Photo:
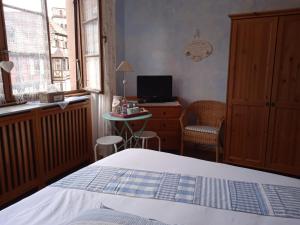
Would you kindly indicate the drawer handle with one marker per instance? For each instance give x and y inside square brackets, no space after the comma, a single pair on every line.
[164,113]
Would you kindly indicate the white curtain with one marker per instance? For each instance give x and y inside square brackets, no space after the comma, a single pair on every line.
[25,23]
[2,97]
[101,103]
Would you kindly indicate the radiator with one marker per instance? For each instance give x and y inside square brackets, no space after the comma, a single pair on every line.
[18,159]
[37,146]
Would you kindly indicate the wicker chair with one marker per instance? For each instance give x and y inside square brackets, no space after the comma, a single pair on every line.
[201,122]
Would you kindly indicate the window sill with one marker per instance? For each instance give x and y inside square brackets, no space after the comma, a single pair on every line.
[12,104]
[94,91]
[76,93]
[20,108]
[67,94]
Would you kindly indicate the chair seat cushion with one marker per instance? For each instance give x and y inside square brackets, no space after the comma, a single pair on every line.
[202,129]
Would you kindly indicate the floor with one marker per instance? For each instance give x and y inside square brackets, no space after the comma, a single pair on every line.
[205,152]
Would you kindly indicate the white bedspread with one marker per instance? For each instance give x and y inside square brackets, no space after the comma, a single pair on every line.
[54,205]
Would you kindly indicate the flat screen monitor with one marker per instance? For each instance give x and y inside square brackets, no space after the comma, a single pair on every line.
[153,88]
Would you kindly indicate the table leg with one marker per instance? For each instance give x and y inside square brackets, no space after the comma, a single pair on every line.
[139,132]
[120,133]
[126,139]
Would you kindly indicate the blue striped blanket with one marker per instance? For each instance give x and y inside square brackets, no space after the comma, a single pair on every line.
[261,199]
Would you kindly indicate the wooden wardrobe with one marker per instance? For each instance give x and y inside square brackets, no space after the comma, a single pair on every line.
[263,97]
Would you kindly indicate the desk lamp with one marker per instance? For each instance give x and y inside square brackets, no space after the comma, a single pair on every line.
[124,67]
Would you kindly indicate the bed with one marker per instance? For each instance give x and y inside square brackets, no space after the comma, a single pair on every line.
[58,205]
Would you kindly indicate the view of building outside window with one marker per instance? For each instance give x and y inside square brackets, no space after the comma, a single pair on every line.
[61,25]
[28,45]
[25,22]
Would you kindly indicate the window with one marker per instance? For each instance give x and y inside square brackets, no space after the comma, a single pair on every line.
[91,49]
[47,36]
[57,64]
[64,64]
[56,43]
[61,13]
[22,50]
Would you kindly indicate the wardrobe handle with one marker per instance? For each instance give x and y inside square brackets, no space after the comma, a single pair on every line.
[273,104]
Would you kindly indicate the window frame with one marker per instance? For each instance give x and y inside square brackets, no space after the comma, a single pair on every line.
[79,48]
[7,88]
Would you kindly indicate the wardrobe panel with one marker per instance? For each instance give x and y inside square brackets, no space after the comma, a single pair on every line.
[284,134]
[253,57]
[249,89]
[286,88]
[283,152]
[248,135]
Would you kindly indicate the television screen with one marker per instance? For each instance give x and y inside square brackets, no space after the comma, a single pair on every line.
[158,88]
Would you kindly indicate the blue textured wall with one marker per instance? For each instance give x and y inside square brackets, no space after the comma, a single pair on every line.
[120,28]
[151,35]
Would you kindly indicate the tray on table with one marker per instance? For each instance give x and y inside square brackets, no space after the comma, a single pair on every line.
[129,115]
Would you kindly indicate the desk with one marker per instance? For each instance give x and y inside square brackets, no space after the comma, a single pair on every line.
[126,124]
[164,121]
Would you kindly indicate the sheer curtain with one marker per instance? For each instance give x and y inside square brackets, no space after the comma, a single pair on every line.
[2,97]
[27,41]
[91,38]
[101,103]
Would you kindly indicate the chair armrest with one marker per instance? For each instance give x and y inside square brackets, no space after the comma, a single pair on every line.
[183,119]
[220,122]
[220,133]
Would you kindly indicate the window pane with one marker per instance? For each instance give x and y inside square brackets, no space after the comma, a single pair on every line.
[31,5]
[90,9]
[91,46]
[93,71]
[91,38]
[62,42]
[27,42]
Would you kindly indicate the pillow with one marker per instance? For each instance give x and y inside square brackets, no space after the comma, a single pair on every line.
[107,216]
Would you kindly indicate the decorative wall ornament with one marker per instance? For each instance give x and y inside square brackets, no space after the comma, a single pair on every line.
[198,49]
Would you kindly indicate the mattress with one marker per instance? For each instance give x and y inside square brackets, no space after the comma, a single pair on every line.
[55,205]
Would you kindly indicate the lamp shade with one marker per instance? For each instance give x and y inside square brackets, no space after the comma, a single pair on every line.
[7,65]
[124,67]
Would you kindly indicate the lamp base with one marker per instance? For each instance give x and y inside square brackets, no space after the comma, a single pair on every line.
[124,105]
[124,88]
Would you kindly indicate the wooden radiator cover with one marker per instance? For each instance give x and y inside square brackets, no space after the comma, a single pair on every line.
[18,156]
[39,145]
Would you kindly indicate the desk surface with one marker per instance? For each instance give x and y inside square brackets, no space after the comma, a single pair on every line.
[107,116]
[162,104]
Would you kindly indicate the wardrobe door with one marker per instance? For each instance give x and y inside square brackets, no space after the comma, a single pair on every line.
[249,88]
[284,135]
